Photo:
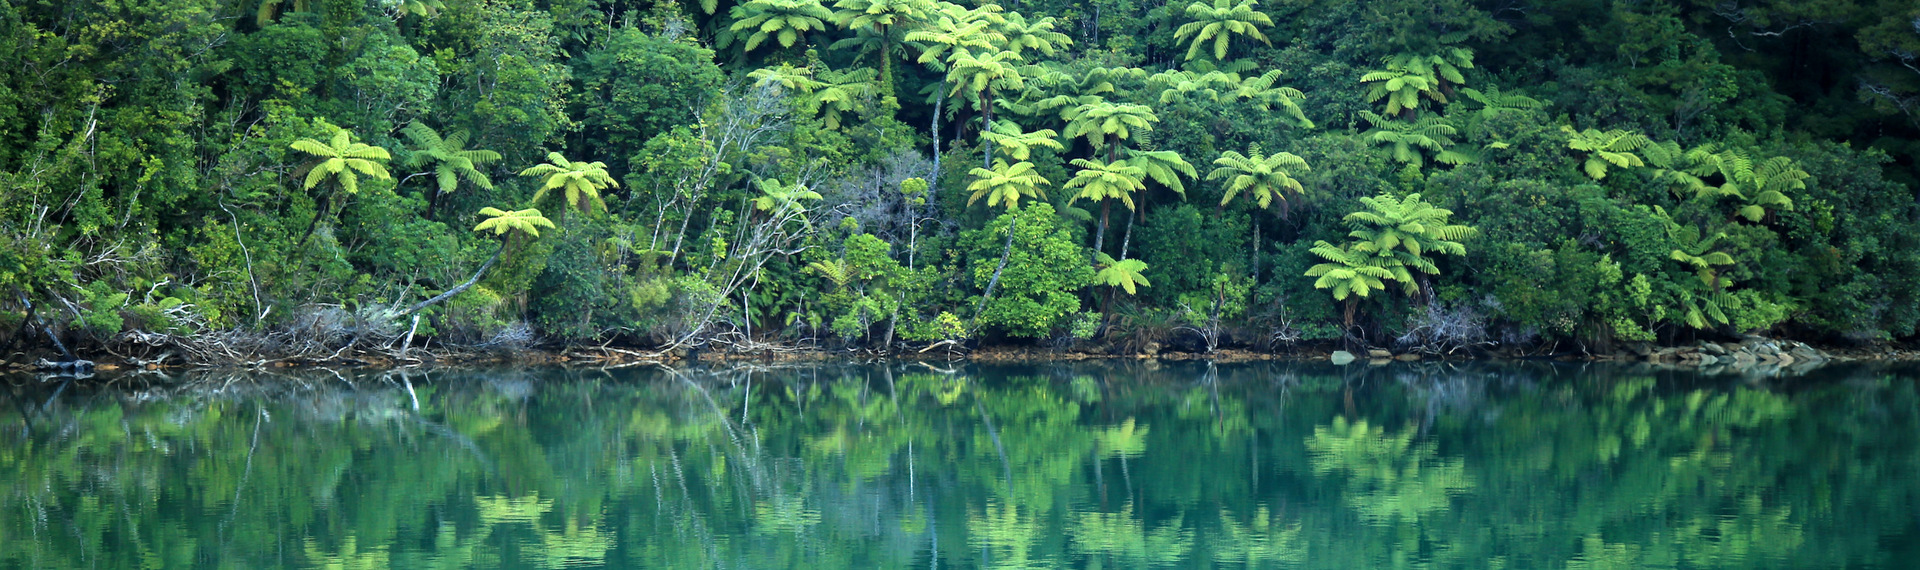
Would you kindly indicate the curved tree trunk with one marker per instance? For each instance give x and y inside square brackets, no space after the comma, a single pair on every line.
[1127,238]
[461,287]
[996,271]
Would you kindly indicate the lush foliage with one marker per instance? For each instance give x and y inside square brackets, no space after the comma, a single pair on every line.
[1609,170]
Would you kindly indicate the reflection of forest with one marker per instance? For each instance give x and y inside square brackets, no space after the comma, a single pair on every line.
[1126,466]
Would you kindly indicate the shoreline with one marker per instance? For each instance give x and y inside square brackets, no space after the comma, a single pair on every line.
[1750,352]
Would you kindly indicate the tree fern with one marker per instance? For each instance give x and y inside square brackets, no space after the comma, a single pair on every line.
[1218,23]
[1604,148]
[342,160]
[1125,274]
[581,181]
[1266,177]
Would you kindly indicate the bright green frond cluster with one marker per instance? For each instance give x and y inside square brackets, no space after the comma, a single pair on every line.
[1220,21]
[1126,274]
[1265,177]
[581,181]
[784,21]
[342,160]
[500,222]
[1006,183]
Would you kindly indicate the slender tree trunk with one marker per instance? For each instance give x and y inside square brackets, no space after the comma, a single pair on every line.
[320,211]
[986,115]
[1100,236]
[1126,238]
[1015,222]
[934,130]
[680,237]
[461,287]
[1256,247]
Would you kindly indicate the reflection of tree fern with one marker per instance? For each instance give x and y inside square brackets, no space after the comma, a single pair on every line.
[1259,543]
[1388,477]
[1121,537]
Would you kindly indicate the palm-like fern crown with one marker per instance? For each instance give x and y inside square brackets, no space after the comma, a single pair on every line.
[1103,123]
[1410,79]
[1219,22]
[951,28]
[1265,177]
[976,73]
[783,20]
[1760,185]
[343,160]
[1038,35]
[1008,183]
[449,156]
[1431,133]
[1018,144]
[1604,148]
[1163,166]
[1389,224]
[1100,181]
[1127,274]
[1070,92]
[787,78]
[581,181]
[839,91]
[1493,102]
[1348,273]
[500,222]
[879,15]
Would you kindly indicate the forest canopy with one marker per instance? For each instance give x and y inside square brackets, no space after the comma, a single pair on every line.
[1436,175]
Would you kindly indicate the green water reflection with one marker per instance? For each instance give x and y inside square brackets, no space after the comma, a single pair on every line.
[916,466]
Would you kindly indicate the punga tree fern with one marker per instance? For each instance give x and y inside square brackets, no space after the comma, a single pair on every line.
[1124,274]
[1219,22]
[581,181]
[1407,230]
[1105,182]
[1390,241]
[785,21]
[1759,185]
[342,161]
[1266,178]
[1604,148]
[1409,141]
[507,226]
[450,158]
[1019,144]
[1038,35]
[1351,275]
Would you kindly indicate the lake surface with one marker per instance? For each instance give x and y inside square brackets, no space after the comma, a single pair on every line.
[1131,465]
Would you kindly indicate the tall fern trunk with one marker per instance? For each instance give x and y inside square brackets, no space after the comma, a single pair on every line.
[986,124]
[933,129]
[1004,255]
[1256,248]
[1126,238]
[1100,236]
[457,289]
[327,209]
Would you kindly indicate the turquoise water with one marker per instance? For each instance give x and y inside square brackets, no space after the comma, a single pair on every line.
[1476,465]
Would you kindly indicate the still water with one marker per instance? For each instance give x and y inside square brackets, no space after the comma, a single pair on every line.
[1129,465]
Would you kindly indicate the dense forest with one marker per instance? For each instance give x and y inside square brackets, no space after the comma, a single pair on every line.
[262,175]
